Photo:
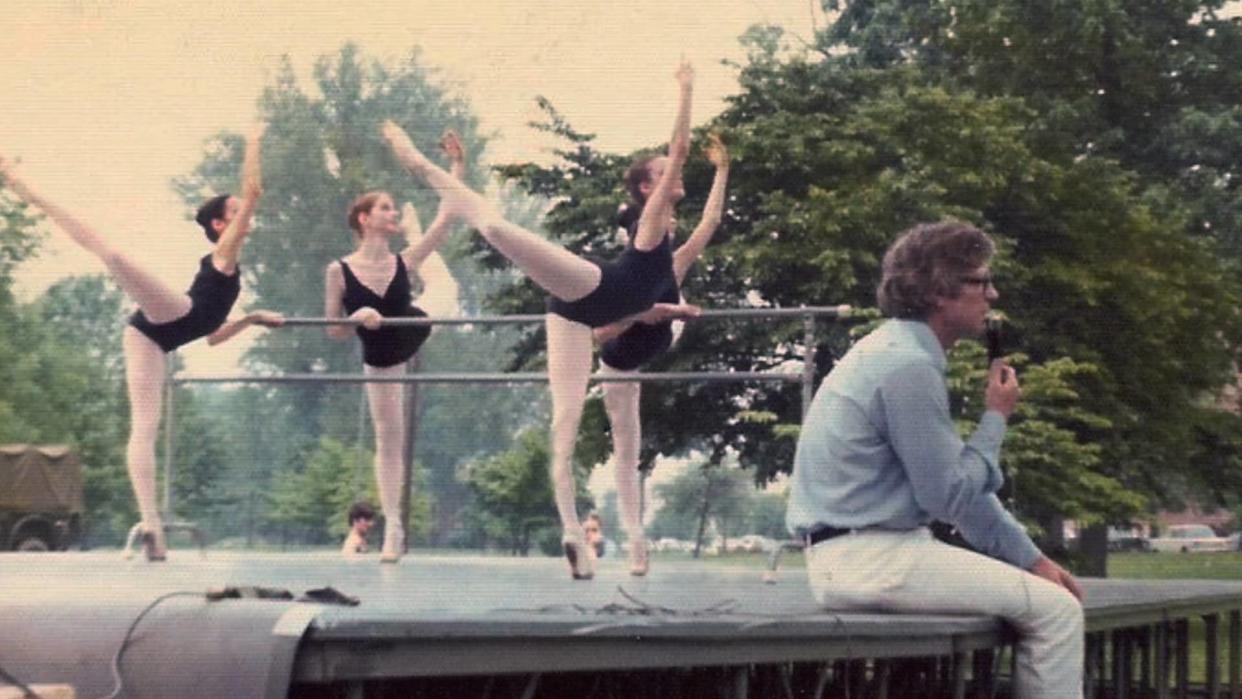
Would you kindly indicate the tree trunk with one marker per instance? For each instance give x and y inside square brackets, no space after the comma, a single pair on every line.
[703,512]
[1094,543]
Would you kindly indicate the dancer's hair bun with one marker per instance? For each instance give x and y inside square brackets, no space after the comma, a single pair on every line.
[628,215]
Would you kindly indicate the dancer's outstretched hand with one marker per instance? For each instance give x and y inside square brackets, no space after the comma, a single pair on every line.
[369,317]
[685,74]
[267,319]
[715,150]
[450,142]
[252,175]
[663,312]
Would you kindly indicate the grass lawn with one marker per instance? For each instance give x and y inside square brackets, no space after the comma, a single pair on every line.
[1200,566]
[1160,566]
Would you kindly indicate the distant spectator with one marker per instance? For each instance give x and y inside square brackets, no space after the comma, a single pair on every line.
[594,528]
[361,517]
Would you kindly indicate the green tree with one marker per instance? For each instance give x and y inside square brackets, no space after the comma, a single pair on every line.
[704,496]
[321,150]
[85,313]
[1149,84]
[513,492]
[834,155]
[766,512]
[1149,87]
[312,502]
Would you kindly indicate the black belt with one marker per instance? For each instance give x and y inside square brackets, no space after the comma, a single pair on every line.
[824,533]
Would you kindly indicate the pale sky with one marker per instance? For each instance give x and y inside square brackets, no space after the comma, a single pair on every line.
[106,102]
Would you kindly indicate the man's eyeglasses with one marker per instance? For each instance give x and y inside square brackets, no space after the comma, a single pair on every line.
[982,282]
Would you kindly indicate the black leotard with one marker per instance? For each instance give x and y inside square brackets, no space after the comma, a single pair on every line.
[641,342]
[390,345]
[212,295]
[630,284]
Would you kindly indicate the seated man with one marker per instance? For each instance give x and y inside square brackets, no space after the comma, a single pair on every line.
[879,458]
[361,517]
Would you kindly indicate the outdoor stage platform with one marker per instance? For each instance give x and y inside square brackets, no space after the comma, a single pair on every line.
[489,626]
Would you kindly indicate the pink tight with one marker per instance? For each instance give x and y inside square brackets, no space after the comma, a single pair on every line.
[569,366]
[144,375]
[387,401]
[621,402]
[144,380]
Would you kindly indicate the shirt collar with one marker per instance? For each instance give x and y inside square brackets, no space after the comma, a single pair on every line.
[922,335]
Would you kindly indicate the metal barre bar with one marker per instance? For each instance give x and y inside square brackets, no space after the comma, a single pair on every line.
[842,311]
[708,376]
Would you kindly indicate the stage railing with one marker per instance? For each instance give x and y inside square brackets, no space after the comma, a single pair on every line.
[808,314]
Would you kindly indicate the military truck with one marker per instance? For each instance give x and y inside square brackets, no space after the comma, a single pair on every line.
[40,497]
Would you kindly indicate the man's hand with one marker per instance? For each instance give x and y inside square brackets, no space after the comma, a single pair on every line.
[1045,568]
[1003,390]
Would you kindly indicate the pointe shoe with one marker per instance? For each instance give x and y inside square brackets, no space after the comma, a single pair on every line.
[640,561]
[153,544]
[394,543]
[581,558]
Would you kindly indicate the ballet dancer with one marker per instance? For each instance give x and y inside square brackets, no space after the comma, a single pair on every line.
[167,319]
[371,284]
[630,343]
[585,294]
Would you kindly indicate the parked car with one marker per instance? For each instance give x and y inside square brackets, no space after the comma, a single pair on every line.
[1188,538]
[40,498]
[1127,539]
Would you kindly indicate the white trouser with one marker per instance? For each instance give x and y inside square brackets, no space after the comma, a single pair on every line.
[910,572]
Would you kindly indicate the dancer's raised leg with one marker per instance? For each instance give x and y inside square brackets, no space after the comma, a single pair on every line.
[621,402]
[569,368]
[144,379]
[387,402]
[555,269]
[159,302]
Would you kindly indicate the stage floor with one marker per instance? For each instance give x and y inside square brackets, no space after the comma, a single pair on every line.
[64,616]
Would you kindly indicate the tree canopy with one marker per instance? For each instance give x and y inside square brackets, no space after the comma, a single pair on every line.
[1125,315]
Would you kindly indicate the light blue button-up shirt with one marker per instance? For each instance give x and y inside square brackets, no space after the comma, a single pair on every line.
[878,449]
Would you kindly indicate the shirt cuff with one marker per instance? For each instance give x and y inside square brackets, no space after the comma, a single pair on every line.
[987,441]
[1017,548]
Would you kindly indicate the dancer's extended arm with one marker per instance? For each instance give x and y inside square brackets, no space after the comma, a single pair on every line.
[229,246]
[659,313]
[659,205]
[421,244]
[82,233]
[713,210]
[267,319]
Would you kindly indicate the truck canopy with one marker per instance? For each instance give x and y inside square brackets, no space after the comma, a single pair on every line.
[40,477]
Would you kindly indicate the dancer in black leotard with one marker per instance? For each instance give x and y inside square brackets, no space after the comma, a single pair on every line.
[369,285]
[587,294]
[167,319]
[628,344]
[392,344]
